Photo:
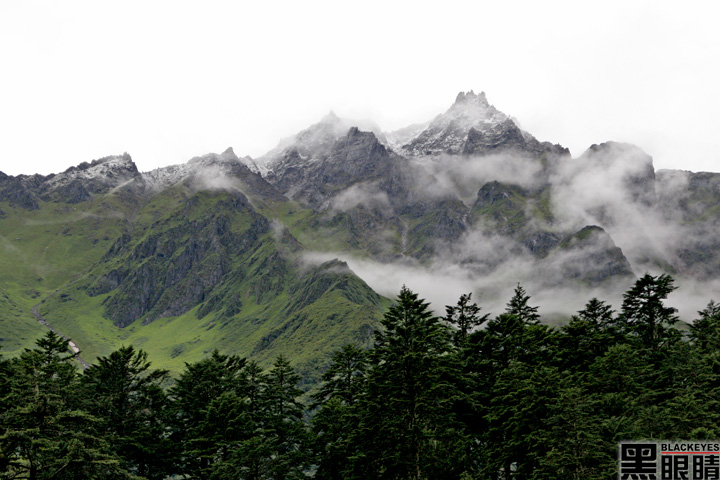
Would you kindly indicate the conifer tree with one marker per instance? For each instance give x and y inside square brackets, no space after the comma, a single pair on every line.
[284,427]
[407,429]
[573,436]
[588,335]
[518,306]
[42,433]
[127,396]
[685,402]
[208,405]
[511,364]
[465,316]
[705,331]
[342,385]
[5,376]
[345,376]
[507,338]
[519,407]
[255,383]
[277,445]
[644,314]
[233,430]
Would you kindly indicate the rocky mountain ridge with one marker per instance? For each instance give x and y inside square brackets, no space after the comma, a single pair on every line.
[337,168]
[228,247]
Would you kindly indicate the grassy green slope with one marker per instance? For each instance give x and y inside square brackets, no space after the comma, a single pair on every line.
[42,250]
[268,301]
[18,328]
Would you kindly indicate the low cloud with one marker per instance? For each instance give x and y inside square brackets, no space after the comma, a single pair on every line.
[360,194]
[463,176]
[214,177]
[442,284]
[614,186]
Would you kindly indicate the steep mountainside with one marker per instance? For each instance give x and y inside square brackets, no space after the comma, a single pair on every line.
[181,260]
[254,256]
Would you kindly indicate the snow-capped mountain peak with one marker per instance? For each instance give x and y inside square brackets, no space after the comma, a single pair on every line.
[209,165]
[470,97]
[104,167]
[472,111]
[314,142]
[470,126]
[448,132]
[98,175]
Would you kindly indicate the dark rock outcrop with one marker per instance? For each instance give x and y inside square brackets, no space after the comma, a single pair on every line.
[503,205]
[73,192]
[357,157]
[589,257]
[175,267]
[13,191]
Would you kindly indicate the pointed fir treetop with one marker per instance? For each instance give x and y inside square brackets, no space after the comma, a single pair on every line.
[282,390]
[645,315]
[518,306]
[645,298]
[465,316]
[596,312]
[410,323]
[705,331]
[54,347]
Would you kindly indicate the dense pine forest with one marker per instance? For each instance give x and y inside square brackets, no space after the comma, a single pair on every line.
[463,396]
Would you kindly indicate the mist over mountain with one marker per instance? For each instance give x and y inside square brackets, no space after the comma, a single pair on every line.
[293,251]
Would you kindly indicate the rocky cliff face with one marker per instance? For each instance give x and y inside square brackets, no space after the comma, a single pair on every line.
[692,202]
[589,257]
[377,193]
[177,264]
[314,176]
[225,171]
[16,194]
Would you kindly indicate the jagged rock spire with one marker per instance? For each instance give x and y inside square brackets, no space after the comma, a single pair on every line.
[471,97]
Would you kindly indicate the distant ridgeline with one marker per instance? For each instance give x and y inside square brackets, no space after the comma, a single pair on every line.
[295,253]
[458,397]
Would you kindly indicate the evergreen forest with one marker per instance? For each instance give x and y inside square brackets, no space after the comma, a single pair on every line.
[463,396]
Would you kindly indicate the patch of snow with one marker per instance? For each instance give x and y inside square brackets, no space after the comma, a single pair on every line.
[448,132]
[313,142]
[403,136]
[210,169]
[108,170]
[165,177]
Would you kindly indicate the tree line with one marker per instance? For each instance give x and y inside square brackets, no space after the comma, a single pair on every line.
[463,396]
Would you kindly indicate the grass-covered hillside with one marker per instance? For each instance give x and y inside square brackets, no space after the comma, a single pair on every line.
[178,272]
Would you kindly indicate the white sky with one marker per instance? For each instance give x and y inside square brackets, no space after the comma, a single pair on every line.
[168,80]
